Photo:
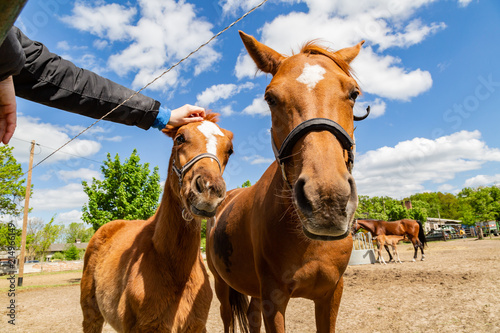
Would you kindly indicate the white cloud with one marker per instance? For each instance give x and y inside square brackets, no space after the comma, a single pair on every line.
[226,110]
[404,169]
[100,44]
[464,3]
[67,218]
[108,21]
[383,24]
[166,31]
[258,107]
[67,197]
[257,159]
[221,91]
[63,45]
[482,180]
[82,174]
[447,188]
[48,135]
[377,108]
[381,76]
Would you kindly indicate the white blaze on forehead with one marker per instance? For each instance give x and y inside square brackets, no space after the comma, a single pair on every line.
[311,75]
[210,130]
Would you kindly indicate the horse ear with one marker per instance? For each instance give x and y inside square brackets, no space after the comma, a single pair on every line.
[349,53]
[170,131]
[266,59]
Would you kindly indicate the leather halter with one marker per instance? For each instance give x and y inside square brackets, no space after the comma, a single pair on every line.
[312,125]
[181,172]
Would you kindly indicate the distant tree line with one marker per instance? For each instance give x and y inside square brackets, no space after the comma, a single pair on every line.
[470,205]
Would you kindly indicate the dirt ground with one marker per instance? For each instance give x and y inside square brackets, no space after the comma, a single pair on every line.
[456,289]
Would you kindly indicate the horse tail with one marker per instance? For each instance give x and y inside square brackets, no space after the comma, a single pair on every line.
[239,308]
[421,234]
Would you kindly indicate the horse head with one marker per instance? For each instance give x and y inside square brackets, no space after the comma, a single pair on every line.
[311,97]
[200,153]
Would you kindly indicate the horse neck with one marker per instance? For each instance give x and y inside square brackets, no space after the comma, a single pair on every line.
[176,240]
[368,226]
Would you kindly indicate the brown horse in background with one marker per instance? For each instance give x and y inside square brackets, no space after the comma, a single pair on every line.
[388,240]
[289,234]
[411,228]
[149,276]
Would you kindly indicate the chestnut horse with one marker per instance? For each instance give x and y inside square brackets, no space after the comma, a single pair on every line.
[388,240]
[289,234]
[149,276]
[411,228]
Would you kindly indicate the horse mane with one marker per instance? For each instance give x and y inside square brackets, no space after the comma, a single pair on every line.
[312,47]
[171,131]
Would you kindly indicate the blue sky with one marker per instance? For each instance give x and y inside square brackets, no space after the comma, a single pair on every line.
[429,69]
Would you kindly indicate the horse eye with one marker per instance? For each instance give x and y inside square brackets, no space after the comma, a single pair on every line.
[270,100]
[180,139]
[230,151]
[354,94]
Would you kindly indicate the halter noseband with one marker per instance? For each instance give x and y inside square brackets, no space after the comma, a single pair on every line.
[310,125]
[180,172]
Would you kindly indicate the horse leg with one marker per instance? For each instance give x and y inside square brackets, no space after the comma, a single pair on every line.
[273,306]
[93,321]
[254,315]
[396,253]
[389,252]
[222,292]
[380,257]
[327,308]
[415,246]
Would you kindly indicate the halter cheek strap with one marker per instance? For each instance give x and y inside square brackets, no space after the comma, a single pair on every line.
[315,124]
[182,171]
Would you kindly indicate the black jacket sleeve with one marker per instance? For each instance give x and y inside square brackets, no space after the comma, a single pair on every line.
[50,80]
[12,56]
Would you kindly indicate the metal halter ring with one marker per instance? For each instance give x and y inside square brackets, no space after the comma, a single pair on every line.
[180,172]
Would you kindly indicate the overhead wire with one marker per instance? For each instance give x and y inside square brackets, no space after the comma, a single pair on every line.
[151,82]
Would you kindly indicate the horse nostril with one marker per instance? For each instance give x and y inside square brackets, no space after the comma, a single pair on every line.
[198,184]
[303,202]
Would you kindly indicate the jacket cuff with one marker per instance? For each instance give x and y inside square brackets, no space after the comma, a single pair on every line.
[162,118]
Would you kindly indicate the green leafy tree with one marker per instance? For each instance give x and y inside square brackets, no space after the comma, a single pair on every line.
[246,184]
[12,190]
[40,236]
[6,232]
[72,253]
[419,210]
[396,211]
[129,192]
[78,231]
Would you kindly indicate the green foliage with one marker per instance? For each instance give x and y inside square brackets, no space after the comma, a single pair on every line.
[72,253]
[419,210]
[479,204]
[58,255]
[128,192]
[5,236]
[12,190]
[397,212]
[471,205]
[246,184]
[77,231]
[40,236]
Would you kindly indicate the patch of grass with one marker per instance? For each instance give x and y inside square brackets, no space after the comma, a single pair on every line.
[24,288]
[45,273]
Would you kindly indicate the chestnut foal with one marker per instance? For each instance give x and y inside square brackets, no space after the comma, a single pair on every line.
[149,276]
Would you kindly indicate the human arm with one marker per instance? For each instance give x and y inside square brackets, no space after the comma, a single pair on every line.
[53,81]
[7,110]
[11,62]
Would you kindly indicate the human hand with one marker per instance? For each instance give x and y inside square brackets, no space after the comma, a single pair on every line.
[7,110]
[186,114]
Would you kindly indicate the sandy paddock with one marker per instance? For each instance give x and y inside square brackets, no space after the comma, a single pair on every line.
[456,289]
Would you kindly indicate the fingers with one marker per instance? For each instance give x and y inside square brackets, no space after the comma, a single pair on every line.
[195,111]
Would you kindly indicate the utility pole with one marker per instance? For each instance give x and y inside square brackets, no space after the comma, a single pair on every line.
[25,217]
